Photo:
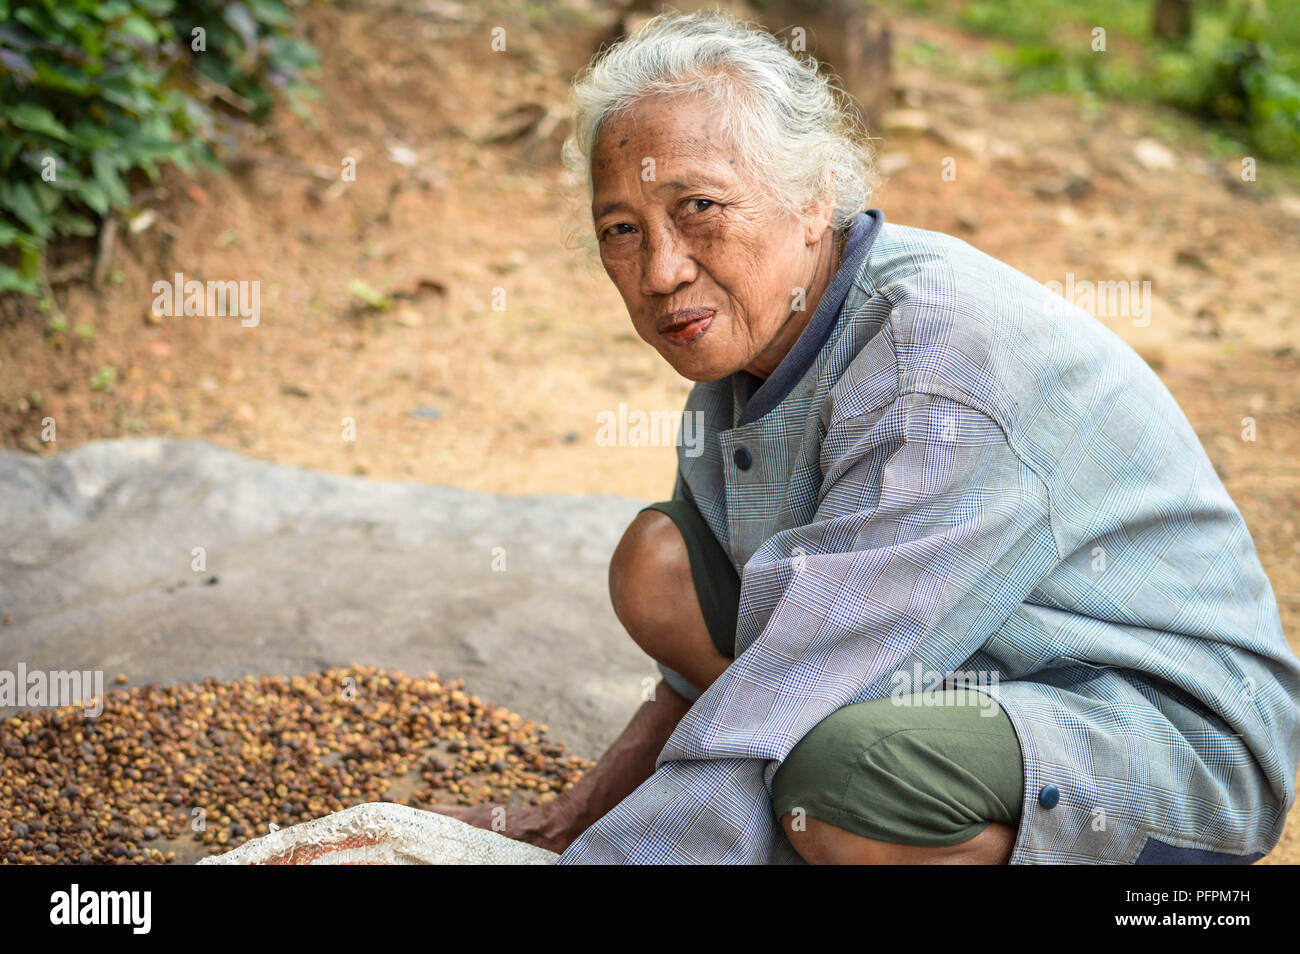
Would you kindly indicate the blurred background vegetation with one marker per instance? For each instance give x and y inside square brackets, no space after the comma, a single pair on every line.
[1234,64]
[95,94]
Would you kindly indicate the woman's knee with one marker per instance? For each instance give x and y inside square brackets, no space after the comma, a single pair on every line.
[926,780]
[821,844]
[649,580]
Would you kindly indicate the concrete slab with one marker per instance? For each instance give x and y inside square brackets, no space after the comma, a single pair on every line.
[304,570]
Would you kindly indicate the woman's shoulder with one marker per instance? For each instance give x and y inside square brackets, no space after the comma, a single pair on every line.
[928,312]
[933,282]
[946,318]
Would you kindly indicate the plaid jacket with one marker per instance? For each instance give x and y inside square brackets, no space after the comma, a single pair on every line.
[956,470]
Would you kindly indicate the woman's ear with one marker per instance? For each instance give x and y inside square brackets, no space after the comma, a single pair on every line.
[818,215]
[816,220]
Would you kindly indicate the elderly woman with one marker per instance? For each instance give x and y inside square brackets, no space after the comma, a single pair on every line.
[953,580]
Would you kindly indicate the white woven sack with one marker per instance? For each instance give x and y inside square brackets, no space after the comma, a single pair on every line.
[381,833]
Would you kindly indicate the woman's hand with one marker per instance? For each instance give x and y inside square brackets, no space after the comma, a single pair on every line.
[626,764]
[546,826]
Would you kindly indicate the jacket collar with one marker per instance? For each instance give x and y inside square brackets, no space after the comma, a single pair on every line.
[757,396]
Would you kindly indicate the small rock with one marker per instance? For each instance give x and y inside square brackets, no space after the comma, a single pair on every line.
[1070,186]
[515,123]
[892,162]
[1190,256]
[908,120]
[142,221]
[1289,204]
[1153,155]
[1206,324]
[402,154]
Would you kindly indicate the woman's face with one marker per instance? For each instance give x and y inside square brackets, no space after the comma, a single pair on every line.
[710,268]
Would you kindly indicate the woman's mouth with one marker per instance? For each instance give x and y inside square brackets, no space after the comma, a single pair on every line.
[686,325]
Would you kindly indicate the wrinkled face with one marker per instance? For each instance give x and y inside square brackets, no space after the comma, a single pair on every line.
[709,266]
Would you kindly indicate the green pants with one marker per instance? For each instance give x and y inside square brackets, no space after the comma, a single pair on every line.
[930,769]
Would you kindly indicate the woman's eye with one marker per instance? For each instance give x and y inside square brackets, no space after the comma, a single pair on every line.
[612,230]
[694,204]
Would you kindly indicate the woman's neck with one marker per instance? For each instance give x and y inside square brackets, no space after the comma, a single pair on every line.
[830,251]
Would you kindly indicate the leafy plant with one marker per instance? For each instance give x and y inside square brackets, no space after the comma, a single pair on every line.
[96,92]
[104,379]
[252,53]
[1239,80]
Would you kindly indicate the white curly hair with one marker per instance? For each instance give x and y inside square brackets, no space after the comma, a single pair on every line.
[798,136]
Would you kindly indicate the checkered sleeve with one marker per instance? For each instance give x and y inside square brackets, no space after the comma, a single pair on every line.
[929,531]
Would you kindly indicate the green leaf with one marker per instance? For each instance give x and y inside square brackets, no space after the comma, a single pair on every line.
[61,76]
[369,296]
[104,378]
[9,236]
[110,10]
[39,21]
[47,197]
[242,22]
[89,136]
[11,282]
[9,149]
[93,194]
[270,12]
[105,166]
[68,222]
[19,199]
[36,119]
[141,29]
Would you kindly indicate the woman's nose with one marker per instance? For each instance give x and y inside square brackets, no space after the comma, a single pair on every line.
[666,264]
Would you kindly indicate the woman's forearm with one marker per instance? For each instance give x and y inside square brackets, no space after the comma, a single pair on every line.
[628,762]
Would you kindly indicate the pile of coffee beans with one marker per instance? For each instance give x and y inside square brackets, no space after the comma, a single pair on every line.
[168,774]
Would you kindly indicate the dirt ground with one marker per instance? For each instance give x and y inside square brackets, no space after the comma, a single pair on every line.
[448,218]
